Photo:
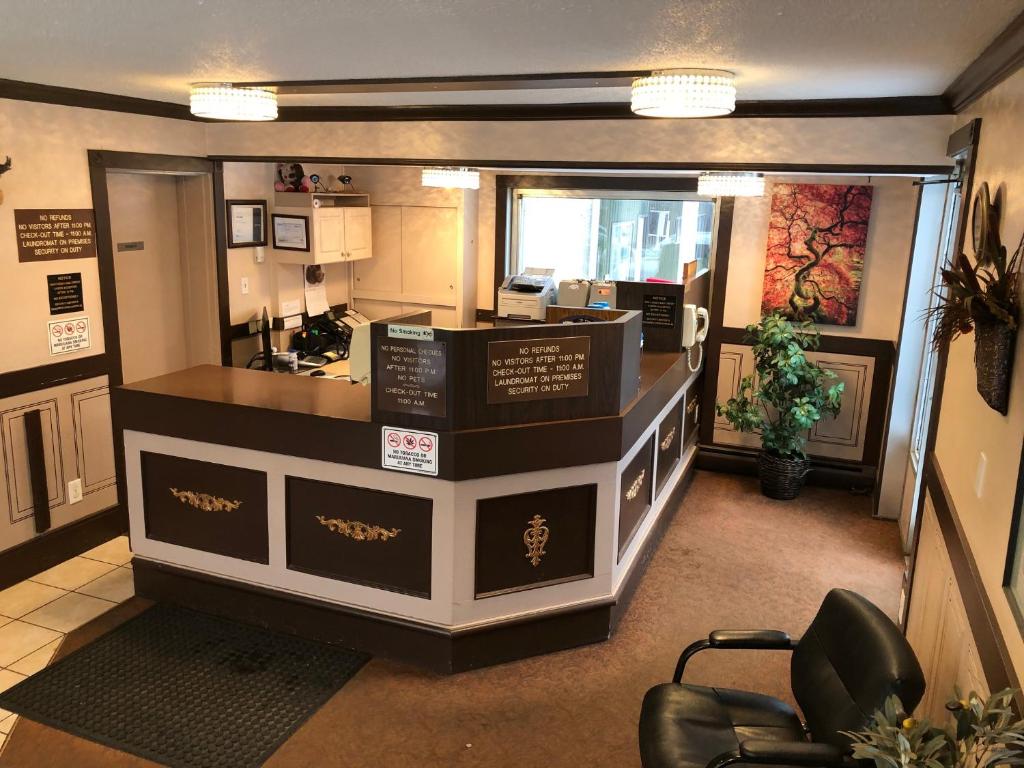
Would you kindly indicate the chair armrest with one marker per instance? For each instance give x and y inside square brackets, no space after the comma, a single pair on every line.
[735,639]
[802,753]
[754,639]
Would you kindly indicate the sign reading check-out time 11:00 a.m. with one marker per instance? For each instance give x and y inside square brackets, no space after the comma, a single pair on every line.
[49,234]
[538,369]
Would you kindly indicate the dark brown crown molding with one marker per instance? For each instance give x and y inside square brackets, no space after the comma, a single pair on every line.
[74,97]
[900,106]
[537,81]
[1001,59]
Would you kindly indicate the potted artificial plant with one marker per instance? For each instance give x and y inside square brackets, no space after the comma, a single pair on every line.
[983,297]
[783,399]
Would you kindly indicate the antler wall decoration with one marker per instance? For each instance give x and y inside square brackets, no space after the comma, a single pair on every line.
[4,168]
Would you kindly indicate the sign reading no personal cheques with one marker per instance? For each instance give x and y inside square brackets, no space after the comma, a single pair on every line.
[409,450]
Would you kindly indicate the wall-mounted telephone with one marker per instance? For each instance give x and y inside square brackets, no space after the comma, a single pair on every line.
[694,335]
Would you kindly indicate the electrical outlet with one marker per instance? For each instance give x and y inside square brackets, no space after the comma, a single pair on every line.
[75,491]
[979,475]
[245,286]
[259,255]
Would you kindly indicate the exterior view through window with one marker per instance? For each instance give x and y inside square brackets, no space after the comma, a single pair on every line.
[627,236]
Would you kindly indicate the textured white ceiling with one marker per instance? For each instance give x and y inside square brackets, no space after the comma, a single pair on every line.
[780,49]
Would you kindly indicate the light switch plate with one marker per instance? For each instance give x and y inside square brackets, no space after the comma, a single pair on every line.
[245,286]
[979,475]
[75,491]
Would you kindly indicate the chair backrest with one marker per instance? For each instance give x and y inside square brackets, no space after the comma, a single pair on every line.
[850,660]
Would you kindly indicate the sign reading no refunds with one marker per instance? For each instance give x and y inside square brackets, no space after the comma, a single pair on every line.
[47,235]
[538,369]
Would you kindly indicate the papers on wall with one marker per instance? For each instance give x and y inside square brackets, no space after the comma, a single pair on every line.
[316,291]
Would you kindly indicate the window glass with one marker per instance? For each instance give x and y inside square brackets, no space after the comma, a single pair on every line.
[611,238]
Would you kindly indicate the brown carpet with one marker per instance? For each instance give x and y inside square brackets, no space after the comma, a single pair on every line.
[731,559]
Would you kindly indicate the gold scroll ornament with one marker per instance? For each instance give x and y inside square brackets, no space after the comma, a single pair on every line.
[634,490]
[667,440]
[354,529]
[205,501]
[535,537]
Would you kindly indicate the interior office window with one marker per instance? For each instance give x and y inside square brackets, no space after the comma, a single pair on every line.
[631,236]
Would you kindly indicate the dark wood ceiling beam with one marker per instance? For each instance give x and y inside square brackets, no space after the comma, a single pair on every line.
[999,60]
[619,79]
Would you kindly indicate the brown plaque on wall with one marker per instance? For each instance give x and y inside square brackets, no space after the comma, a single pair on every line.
[635,485]
[538,369]
[410,376]
[200,505]
[46,235]
[534,539]
[359,535]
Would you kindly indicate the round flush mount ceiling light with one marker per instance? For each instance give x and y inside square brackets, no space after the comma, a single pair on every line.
[451,178]
[730,184]
[224,101]
[684,93]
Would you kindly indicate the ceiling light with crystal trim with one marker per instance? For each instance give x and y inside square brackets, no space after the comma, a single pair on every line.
[730,184]
[224,101]
[684,93]
[451,178]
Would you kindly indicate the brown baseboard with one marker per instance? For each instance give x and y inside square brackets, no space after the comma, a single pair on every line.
[59,544]
[859,478]
[423,645]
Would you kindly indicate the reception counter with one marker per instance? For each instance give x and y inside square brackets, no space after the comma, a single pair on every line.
[507,514]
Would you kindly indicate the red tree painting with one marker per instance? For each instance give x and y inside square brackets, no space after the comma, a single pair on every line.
[816,238]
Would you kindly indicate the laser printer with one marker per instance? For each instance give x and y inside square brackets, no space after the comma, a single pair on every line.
[527,296]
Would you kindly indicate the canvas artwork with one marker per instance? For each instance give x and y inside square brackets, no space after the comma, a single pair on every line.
[816,239]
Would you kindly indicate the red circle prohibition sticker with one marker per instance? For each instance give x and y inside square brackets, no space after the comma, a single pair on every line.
[426,444]
[80,326]
[394,440]
[409,441]
[57,331]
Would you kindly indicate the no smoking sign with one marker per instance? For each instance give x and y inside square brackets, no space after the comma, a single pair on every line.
[409,450]
[68,335]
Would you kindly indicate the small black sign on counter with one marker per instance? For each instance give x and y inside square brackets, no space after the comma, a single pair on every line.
[410,376]
[538,369]
[65,293]
[659,310]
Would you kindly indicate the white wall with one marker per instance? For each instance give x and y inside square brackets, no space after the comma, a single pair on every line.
[48,145]
[967,427]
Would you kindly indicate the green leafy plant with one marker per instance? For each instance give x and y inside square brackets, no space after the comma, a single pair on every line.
[984,733]
[787,394]
[978,292]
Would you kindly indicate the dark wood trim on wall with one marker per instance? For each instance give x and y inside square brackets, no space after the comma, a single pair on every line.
[52,375]
[223,288]
[999,60]
[992,651]
[58,544]
[716,315]
[37,469]
[798,108]
[825,473]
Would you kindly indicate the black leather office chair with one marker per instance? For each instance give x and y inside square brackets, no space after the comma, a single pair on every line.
[850,660]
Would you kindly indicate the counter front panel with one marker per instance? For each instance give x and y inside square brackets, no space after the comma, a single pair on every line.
[537,539]
[211,507]
[670,441]
[635,484]
[359,535]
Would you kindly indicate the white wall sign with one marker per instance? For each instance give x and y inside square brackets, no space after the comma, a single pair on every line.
[68,335]
[418,332]
[409,450]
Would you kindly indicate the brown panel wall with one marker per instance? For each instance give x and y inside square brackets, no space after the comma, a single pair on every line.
[200,505]
[359,535]
[559,522]
[635,496]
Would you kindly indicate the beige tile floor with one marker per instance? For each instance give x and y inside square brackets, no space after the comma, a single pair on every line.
[36,614]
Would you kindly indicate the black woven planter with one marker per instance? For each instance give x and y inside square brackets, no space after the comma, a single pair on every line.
[993,360]
[781,478]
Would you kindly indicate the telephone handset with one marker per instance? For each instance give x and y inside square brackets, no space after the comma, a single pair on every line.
[692,335]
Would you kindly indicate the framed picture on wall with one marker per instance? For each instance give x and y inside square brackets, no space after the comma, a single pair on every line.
[247,223]
[291,233]
[1013,574]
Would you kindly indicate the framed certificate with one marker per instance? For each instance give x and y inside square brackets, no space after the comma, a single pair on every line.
[247,223]
[291,233]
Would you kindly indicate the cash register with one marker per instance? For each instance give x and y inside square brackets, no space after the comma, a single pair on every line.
[527,296]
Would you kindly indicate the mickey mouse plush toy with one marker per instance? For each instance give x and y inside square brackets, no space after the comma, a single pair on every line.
[292,178]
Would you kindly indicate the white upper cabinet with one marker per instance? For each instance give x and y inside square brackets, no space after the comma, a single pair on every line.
[340,227]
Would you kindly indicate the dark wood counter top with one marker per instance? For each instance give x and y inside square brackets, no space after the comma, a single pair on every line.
[328,419]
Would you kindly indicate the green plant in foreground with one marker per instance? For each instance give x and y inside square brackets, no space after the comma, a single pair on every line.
[984,733]
[791,393]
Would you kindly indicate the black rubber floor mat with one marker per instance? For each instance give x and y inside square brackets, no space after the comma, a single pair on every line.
[187,689]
